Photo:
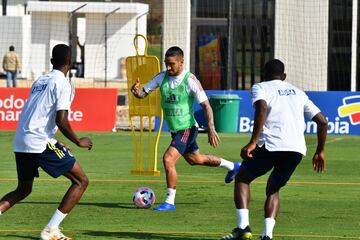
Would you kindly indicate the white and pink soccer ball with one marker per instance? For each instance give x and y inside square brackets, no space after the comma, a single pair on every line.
[144,197]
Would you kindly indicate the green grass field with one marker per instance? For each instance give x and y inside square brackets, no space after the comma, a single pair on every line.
[313,206]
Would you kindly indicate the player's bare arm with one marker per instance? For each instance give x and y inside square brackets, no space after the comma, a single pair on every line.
[259,120]
[319,161]
[64,125]
[213,137]
[137,90]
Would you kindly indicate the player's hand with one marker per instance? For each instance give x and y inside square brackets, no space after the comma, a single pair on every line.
[85,143]
[136,87]
[247,150]
[319,162]
[213,137]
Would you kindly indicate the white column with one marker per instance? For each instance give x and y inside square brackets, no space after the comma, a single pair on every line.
[354,44]
[301,41]
[176,30]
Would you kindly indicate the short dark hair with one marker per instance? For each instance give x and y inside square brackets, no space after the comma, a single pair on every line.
[274,67]
[174,51]
[61,54]
[11,48]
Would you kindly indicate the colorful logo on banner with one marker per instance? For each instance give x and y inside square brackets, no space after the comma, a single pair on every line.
[351,109]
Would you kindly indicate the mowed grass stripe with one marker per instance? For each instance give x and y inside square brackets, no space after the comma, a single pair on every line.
[186,233]
[186,181]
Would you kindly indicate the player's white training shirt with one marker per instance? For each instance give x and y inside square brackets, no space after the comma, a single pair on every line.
[285,124]
[193,86]
[36,127]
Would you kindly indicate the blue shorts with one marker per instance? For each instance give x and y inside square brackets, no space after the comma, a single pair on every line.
[185,140]
[54,160]
[283,163]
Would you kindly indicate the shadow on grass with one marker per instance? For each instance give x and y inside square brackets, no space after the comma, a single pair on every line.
[14,236]
[103,205]
[122,235]
[132,235]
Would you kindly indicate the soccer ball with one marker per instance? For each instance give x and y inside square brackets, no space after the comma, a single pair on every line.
[144,197]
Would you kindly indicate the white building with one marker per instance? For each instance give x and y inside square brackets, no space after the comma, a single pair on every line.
[49,23]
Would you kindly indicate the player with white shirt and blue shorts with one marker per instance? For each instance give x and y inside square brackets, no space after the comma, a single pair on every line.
[178,90]
[45,111]
[277,143]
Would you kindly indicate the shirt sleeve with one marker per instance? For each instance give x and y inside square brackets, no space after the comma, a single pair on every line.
[257,93]
[154,83]
[310,109]
[195,89]
[63,95]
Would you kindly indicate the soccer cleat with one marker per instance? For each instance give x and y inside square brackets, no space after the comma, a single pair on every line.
[165,207]
[239,234]
[266,238]
[52,234]
[231,174]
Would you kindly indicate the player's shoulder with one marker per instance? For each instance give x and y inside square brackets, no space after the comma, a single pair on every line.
[159,77]
[194,83]
[193,78]
[160,74]
[292,86]
[57,79]
[258,86]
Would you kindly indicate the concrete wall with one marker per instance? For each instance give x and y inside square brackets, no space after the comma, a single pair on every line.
[47,31]
[35,35]
[121,31]
[301,41]
[176,28]
[120,34]
[14,7]
[16,31]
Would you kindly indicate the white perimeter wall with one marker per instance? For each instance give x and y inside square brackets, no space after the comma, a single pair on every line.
[121,31]
[35,35]
[51,29]
[14,7]
[301,41]
[47,31]
[16,31]
[51,23]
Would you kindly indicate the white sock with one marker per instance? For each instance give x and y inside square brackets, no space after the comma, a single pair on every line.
[243,218]
[56,219]
[170,198]
[226,164]
[269,224]
[0,212]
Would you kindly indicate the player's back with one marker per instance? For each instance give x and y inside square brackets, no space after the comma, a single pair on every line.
[37,121]
[284,126]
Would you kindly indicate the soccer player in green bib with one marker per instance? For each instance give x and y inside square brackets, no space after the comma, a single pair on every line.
[178,89]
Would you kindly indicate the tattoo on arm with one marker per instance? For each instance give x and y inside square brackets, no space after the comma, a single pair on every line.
[208,114]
